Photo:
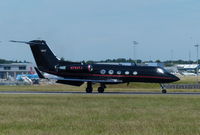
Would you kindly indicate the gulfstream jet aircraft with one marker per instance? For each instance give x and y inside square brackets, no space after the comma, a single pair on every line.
[76,74]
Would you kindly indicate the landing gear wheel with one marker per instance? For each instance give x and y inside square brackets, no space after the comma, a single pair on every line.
[164,91]
[100,89]
[89,90]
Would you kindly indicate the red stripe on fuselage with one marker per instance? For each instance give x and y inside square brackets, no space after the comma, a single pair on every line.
[99,75]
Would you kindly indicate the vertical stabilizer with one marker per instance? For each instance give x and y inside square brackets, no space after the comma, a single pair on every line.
[44,57]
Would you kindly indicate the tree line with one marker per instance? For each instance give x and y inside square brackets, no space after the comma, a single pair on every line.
[138,61]
[123,60]
[118,60]
[4,61]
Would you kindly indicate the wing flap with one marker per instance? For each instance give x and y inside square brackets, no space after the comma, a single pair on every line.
[91,80]
[73,83]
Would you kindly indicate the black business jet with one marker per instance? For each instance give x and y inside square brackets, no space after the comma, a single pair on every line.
[73,73]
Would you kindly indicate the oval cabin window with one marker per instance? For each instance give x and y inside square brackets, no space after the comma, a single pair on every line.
[110,72]
[135,73]
[102,71]
[119,72]
[127,73]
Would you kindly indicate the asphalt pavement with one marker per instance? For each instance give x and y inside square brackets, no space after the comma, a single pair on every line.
[105,93]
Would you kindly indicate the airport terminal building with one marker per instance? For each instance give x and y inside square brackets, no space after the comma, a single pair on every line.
[10,71]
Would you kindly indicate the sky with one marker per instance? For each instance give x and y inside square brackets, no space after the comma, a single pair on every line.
[101,29]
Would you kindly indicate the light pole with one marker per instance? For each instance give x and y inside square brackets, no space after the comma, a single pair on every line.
[135,43]
[172,56]
[197,46]
[189,56]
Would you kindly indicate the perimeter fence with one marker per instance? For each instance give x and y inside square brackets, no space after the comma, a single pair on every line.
[182,86]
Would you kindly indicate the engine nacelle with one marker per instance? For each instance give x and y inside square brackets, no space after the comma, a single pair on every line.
[75,68]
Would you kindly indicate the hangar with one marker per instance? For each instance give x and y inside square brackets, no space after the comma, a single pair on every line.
[10,71]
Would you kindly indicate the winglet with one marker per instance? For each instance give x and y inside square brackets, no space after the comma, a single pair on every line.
[41,76]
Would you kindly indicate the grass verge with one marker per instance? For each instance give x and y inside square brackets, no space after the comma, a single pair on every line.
[99,114]
[138,87]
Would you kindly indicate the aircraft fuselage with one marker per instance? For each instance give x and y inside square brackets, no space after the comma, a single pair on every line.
[121,73]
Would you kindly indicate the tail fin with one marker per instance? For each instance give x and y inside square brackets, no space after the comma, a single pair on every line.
[44,57]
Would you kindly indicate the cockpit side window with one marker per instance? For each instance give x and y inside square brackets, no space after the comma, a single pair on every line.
[160,70]
[62,67]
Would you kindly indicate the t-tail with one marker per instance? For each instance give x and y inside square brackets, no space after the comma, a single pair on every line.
[44,57]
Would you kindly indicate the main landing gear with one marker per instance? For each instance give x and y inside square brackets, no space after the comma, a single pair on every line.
[101,88]
[89,88]
[164,90]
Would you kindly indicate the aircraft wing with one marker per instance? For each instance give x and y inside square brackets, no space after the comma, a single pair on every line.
[89,80]
[79,82]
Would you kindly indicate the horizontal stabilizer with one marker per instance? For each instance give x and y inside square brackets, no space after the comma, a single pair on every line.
[25,42]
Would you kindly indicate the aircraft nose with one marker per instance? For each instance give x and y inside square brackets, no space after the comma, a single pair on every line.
[175,78]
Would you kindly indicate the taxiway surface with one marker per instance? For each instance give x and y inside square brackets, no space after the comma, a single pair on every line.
[105,93]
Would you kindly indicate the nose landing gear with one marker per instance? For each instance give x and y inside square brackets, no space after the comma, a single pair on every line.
[164,90]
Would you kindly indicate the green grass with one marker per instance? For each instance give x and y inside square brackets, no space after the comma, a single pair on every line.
[58,87]
[133,87]
[99,115]
[188,80]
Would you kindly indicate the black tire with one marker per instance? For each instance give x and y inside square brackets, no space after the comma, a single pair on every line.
[89,90]
[164,91]
[100,89]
